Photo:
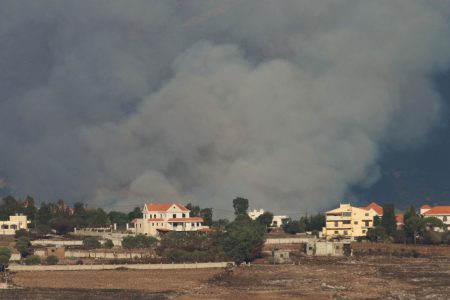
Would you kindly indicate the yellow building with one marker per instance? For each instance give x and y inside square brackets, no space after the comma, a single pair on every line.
[15,223]
[349,221]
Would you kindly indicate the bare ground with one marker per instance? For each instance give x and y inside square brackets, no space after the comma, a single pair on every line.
[371,277]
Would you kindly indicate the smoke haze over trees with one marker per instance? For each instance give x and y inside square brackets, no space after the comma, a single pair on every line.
[287,103]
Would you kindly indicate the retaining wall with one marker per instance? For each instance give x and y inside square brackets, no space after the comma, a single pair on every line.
[21,268]
[289,241]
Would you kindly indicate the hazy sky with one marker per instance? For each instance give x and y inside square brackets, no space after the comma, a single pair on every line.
[296,105]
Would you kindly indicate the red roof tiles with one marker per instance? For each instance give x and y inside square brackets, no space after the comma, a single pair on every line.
[425,206]
[378,209]
[438,210]
[164,206]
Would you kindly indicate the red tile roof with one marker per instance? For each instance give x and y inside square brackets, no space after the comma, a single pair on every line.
[192,219]
[378,209]
[425,206]
[399,218]
[164,206]
[438,210]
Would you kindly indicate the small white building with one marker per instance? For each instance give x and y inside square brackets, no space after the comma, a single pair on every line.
[165,217]
[277,221]
[440,212]
[15,223]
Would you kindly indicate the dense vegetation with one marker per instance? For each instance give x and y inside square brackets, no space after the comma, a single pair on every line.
[416,228]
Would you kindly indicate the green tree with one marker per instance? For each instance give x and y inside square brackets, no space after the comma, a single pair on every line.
[79,211]
[5,255]
[108,244]
[91,242]
[240,206]
[316,222]
[52,260]
[377,234]
[33,260]
[414,225]
[195,209]
[44,214]
[139,241]
[265,219]
[97,218]
[388,219]
[136,213]
[23,245]
[117,217]
[433,222]
[242,240]
[207,215]
[303,224]
[292,227]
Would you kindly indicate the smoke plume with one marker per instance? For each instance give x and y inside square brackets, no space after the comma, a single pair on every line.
[287,103]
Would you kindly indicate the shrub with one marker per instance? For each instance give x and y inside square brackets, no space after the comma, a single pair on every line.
[52,260]
[23,245]
[179,255]
[5,255]
[33,260]
[139,241]
[20,233]
[91,242]
[108,244]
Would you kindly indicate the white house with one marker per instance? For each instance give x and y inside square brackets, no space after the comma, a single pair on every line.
[15,223]
[440,212]
[164,217]
[277,221]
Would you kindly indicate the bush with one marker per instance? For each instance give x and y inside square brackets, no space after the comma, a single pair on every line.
[179,256]
[52,260]
[5,255]
[432,237]
[23,245]
[91,242]
[139,241]
[399,236]
[20,233]
[108,244]
[33,260]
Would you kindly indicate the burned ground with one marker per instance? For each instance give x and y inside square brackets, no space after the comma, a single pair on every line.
[369,277]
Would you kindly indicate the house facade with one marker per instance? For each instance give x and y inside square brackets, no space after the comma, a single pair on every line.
[349,221]
[15,223]
[159,218]
[440,212]
[277,220]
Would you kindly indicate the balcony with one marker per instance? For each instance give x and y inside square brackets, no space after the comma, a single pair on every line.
[338,218]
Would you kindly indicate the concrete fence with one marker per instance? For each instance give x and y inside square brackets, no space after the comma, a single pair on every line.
[289,241]
[105,255]
[21,268]
[56,243]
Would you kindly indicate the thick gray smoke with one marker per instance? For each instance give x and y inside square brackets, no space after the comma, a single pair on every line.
[287,103]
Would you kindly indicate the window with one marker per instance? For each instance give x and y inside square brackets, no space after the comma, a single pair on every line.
[346,222]
[184,215]
[346,214]
[444,219]
[366,214]
[174,215]
[336,224]
[367,223]
[356,222]
[345,232]
[192,224]
[336,232]
[337,247]
[364,231]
